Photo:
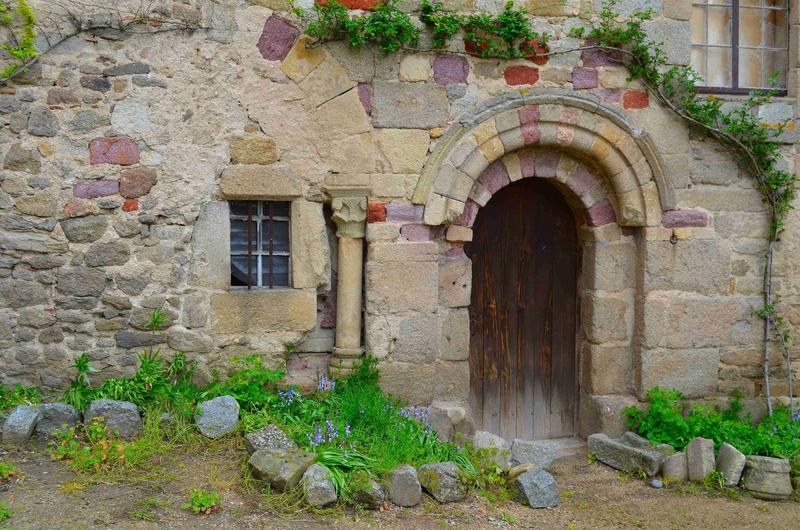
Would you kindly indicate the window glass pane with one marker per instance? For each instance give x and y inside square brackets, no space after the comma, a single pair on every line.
[775,3]
[239,271]
[775,29]
[719,67]
[698,22]
[699,62]
[754,3]
[280,271]
[775,61]
[241,207]
[719,25]
[749,68]
[279,209]
[280,236]
[750,33]
[239,236]
[720,2]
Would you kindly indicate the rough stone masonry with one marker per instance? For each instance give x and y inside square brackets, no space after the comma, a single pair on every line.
[120,154]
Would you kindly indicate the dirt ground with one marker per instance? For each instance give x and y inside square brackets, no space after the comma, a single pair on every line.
[50,496]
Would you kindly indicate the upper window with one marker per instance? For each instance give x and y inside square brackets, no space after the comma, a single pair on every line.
[738,44]
[260,245]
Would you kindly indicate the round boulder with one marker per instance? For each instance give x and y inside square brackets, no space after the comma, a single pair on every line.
[217,417]
[120,417]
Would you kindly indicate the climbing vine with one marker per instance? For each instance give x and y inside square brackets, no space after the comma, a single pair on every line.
[754,143]
[20,21]
[510,35]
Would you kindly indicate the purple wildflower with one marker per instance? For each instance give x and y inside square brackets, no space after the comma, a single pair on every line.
[325,384]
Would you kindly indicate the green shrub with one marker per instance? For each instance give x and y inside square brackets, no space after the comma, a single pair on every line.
[202,501]
[669,419]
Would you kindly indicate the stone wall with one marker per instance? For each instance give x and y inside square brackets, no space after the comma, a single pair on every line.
[120,151]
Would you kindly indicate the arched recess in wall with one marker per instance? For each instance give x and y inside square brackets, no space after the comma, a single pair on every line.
[581,126]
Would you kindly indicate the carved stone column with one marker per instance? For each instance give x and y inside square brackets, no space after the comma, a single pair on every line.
[350,215]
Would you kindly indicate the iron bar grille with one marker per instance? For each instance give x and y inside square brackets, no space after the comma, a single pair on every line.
[260,244]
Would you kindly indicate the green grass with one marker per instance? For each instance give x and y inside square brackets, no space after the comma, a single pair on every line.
[10,397]
[5,512]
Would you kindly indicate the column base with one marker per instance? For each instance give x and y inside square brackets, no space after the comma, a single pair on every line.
[344,359]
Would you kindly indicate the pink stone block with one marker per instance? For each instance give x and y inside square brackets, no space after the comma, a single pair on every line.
[277,38]
[494,177]
[527,161]
[90,189]
[584,78]
[684,218]
[608,95]
[468,216]
[456,250]
[119,150]
[416,232]
[530,133]
[581,181]
[546,164]
[600,213]
[404,212]
[365,96]
[529,114]
[450,68]
[597,57]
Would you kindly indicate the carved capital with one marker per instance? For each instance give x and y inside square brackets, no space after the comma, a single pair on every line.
[350,215]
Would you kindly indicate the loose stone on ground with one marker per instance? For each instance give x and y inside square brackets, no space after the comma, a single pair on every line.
[624,457]
[700,458]
[269,436]
[442,481]
[318,486]
[55,417]
[537,488]
[121,417]
[20,424]
[282,468]
[217,417]
[403,486]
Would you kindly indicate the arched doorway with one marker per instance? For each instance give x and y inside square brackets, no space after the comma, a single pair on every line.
[523,313]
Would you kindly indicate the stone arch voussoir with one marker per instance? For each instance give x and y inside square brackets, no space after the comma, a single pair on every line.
[579,127]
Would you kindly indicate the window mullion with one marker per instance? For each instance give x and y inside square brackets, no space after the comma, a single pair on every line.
[735,44]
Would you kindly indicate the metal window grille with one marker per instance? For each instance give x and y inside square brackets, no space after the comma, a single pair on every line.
[260,244]
[738,44]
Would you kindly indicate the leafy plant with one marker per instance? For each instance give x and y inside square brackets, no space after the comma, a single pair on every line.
[100,451]
[18,395]
[23,50]
[8,471]
[384,25]
[202,501]
[5,512]
[251,383]
[668,419]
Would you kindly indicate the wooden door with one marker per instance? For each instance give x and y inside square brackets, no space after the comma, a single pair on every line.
[523,314]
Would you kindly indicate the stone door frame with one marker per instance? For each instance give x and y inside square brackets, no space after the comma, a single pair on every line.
[610,174]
